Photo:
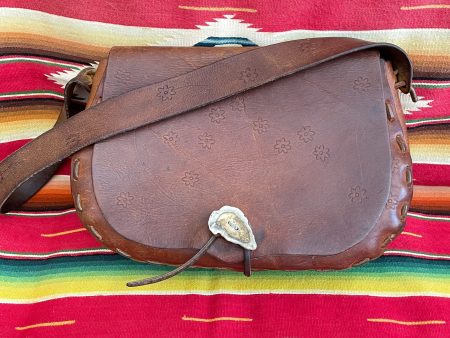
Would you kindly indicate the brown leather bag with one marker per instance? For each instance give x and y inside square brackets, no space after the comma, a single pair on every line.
[300,148]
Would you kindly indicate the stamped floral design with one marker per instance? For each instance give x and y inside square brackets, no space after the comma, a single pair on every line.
[357,194]
[391,203]
[238,104]
[166,92]
[321,153]
[206,141]
[190,178]
[260,125]
[217,115]
[282,146]
[124,199]
[248,75]
[171,138]
[361,84]
[306,134]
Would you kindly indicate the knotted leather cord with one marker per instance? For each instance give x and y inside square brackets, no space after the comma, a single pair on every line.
[194,89]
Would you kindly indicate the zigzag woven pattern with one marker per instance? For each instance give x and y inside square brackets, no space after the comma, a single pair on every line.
[57,280]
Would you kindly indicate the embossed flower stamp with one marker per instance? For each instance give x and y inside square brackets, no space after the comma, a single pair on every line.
[321,153]
[306,134]
[391,203]
[282,146]
[361,84]
[166,92]
[170,138]
[238,103]
[124,199]
[260,125]
[217,115]
[190,178]
[248,75]
[357,194]
[206,141]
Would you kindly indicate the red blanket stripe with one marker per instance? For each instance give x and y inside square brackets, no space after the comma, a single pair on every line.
[268,15]
[48,234]
[431,174]
[230,316]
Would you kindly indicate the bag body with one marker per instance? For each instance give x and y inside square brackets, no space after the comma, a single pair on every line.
[316,159]
[313,160]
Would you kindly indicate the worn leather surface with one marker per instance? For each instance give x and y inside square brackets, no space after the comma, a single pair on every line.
[188,91]
[318,162]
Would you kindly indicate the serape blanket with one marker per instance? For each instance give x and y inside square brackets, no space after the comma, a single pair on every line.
[56,280]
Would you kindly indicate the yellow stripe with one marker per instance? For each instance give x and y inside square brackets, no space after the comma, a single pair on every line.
[411,234]
[66,322]
[100,283]
[217,319]
[393,321]
[429,153]
[64,232]
[436,6]
[219,9]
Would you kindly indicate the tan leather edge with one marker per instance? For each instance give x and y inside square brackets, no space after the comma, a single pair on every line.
[96,83]
[389,225]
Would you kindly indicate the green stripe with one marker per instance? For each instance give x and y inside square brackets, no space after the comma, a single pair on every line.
[33,92]
[437,119]
[42,62]
[34,254]
[429,218]
[431,85]
[115,265]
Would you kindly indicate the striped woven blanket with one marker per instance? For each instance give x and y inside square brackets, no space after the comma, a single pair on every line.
[56,280]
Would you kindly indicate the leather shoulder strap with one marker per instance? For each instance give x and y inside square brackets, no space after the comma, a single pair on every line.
[181,94]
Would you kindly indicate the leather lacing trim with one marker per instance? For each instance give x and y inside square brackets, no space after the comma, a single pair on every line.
[390,114]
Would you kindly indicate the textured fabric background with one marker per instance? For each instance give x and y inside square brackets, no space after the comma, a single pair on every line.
[56,280]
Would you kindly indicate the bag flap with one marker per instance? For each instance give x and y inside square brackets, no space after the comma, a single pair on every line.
[308,158]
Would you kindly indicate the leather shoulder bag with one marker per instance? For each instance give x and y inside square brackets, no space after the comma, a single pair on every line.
[291,156]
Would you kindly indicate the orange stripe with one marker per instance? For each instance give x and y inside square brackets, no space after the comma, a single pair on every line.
[62,233]
[431,198]
[430,6]
[66,322]
[216,319]
[35,41]
[219,9]
[411,234]
[400,322]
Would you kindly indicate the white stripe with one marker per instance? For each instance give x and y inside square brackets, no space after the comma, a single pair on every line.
[31,94]
[417,254]
[41,214]
[433,218]
[437,120]
[433,83]
[54,254]
[71,65]
[422,41]
[225,292]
